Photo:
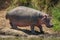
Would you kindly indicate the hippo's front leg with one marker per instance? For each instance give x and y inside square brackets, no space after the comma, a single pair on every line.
[13,26]
[41,30]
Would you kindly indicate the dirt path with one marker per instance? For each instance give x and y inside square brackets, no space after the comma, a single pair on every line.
[22,31]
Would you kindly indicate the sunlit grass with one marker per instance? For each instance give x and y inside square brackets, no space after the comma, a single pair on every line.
[56,18]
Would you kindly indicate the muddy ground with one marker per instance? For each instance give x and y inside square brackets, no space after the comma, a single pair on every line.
[6,31]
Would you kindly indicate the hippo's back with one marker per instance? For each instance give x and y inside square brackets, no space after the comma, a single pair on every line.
[24,11]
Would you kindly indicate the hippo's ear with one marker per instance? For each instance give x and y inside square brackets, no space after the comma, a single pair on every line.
[44,16]
[48,16]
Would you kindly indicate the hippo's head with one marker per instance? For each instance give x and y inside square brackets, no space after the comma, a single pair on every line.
[47,21]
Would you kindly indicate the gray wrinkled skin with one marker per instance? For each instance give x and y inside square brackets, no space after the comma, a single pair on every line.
[24,16]
[24,13]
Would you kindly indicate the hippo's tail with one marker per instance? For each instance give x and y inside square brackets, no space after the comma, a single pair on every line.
[7,16]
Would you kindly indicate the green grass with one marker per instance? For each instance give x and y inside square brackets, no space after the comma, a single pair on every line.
[56,18]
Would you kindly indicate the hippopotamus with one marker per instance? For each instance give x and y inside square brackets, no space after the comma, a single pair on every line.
[24,16]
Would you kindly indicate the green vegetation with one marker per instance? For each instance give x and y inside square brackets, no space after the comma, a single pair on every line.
[56,18]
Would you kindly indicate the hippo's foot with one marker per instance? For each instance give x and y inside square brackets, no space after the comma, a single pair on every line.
[33,32]
[42,32]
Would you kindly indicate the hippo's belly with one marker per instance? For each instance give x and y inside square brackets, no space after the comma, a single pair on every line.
[22,23]
[26,23]
[24,20]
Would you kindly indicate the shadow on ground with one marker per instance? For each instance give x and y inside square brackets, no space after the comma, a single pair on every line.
[29,32]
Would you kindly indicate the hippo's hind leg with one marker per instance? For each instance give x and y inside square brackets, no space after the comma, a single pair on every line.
[41,30]
[13,26]
[32,29]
